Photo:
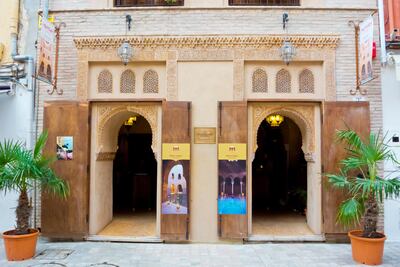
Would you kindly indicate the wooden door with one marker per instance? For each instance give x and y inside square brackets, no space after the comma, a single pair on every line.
[232,137]
[176,138]
[68,218]
[338,116]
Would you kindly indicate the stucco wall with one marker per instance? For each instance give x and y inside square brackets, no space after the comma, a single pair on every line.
[391,126]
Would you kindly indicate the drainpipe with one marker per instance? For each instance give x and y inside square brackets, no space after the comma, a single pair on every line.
[382,32]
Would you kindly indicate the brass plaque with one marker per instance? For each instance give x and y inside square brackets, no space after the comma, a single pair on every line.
[205,135]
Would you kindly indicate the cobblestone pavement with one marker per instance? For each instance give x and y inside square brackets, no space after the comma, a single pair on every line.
[101,254]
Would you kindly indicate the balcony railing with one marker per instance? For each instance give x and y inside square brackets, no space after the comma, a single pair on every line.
[264,2]
[141,3]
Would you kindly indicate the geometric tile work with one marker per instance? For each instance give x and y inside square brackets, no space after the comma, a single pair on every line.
[306,81]
[283,81]
[150,82]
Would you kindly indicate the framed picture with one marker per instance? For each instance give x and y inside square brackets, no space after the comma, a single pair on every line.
[65,147]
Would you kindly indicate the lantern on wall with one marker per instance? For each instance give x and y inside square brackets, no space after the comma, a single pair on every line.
[125,51]
[288,51]
[275,120]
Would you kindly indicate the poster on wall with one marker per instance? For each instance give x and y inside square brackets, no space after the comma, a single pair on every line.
[175,178]
[65,147]
[232,180]
[366,47]
[46,48]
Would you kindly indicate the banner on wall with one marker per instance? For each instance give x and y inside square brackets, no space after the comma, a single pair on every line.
[366,47]
[232,180]
[175,178]
[46,48]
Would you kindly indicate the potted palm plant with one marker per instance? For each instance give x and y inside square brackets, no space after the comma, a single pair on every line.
[360,176]
[20,170]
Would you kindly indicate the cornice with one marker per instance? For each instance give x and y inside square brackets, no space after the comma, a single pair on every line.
[218,41]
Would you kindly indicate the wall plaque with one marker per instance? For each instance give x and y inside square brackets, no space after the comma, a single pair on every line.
[204,135]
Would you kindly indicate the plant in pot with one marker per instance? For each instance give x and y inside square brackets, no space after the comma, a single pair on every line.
[20,170]
[359,176]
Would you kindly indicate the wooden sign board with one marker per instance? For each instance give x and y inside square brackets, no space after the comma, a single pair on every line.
[204,135]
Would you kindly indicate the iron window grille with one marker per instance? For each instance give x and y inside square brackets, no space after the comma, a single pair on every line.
[264,2]
[144,3]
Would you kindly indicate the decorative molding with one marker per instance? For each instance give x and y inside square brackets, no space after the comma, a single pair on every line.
[255,41]
[106,112]
[105,156]
[302,115]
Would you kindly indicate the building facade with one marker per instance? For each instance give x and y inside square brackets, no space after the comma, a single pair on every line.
[176,142]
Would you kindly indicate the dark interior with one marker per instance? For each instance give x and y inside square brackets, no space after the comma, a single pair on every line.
[134,170]
[279,170]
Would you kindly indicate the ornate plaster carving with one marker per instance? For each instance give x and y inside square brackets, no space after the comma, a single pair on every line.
[302,115]
[106,112]
[258,41]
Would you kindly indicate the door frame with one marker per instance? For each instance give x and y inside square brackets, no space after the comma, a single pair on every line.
[106,120]
[308,117]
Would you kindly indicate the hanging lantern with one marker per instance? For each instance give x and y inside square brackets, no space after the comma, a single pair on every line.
[130,121]
[288,51]
[125,52]
[275,120]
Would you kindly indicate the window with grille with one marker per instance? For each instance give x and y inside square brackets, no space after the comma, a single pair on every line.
[150,82]
[264,2]
[306,81]
[104,82]
[131,3]
[260,81]
[283,81]
[128,83]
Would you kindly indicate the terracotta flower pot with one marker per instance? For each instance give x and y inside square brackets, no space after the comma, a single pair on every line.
[366,250]
[20,247]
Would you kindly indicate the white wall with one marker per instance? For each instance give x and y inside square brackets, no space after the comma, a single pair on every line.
[391,125]
[15,123]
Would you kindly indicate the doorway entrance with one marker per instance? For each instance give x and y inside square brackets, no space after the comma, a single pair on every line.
[134,186]
[279,181]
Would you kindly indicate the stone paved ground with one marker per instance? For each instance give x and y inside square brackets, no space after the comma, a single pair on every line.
[128,254]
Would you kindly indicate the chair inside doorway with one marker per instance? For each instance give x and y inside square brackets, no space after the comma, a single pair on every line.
[134,182]
[279,181]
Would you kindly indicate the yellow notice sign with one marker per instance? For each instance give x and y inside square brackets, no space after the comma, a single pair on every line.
[176,152]
[232,151]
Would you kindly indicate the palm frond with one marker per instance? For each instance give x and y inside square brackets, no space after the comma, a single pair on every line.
[350,211]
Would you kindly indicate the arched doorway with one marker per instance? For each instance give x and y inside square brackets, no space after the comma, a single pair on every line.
[279,181]
[134,181]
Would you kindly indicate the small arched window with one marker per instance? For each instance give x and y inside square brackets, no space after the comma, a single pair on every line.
[150,82]
[128,83]
[306,81]
[104,82]
[283,81]
[260,81]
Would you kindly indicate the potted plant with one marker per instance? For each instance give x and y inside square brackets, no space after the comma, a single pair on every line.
[360,176]
[20,170]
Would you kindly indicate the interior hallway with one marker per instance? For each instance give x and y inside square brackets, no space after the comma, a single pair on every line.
[137,224]
[280,224]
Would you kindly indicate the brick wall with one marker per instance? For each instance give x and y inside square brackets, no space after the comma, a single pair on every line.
[218,21]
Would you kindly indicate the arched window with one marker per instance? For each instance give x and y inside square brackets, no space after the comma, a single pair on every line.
[150,82]
[306,81]
[127,85]
[104,82]
[260,81]
[283,81]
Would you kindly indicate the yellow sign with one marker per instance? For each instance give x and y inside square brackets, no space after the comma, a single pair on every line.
[232,151]
[176,152]
[204,135]
[50,19]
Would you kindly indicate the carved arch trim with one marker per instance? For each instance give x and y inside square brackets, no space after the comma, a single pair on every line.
[106,113]
[302,115]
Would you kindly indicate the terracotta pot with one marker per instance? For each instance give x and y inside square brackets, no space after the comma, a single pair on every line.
[366,250]
[20,247]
